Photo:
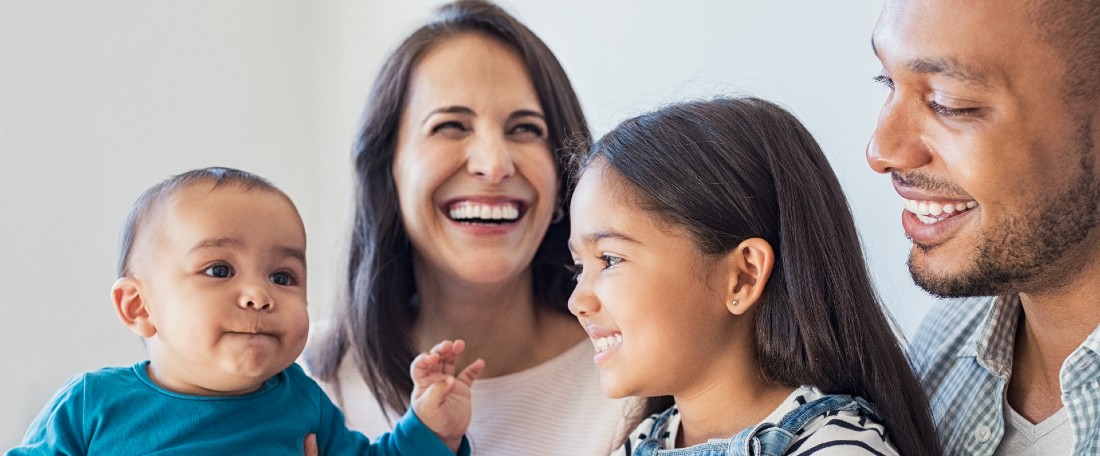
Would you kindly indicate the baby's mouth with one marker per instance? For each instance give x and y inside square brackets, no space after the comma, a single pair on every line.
[930,212]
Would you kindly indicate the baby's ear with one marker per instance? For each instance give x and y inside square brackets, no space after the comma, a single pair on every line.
[751,265]
[130,306]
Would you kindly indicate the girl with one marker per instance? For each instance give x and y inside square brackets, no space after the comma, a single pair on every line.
[717,263]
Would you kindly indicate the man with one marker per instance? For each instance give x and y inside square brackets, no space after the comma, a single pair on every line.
[990,134]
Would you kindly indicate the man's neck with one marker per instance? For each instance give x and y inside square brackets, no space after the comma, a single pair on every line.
[1052,325]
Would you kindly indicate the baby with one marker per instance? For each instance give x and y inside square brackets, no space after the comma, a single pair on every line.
[212,274]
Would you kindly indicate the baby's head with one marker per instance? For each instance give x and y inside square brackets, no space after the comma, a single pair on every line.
[212,274]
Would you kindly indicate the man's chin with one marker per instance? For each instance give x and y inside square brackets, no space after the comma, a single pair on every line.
[953,283]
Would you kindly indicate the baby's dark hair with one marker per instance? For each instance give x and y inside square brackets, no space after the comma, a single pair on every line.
[160,192]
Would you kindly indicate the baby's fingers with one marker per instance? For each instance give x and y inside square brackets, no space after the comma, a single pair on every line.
[437,391]
[423,366]
[470,373]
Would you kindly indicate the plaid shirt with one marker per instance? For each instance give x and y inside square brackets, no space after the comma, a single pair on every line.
[962,355]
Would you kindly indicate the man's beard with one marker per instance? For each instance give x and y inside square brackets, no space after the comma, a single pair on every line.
[1022,249]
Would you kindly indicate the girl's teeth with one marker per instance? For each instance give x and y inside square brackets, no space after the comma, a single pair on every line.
[608,342]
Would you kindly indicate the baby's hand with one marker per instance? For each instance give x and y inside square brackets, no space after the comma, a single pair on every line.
[441,400]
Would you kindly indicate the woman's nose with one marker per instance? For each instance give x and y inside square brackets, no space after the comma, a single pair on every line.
[490,159]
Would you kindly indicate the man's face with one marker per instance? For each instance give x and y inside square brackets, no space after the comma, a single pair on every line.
[997,173]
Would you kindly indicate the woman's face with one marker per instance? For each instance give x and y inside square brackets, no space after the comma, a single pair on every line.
[476,181]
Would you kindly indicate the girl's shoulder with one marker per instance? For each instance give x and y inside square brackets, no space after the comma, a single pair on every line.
[844,431]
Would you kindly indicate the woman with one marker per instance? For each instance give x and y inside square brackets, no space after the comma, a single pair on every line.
[460,232]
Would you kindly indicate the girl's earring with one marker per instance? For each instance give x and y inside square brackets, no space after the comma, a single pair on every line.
[733,303]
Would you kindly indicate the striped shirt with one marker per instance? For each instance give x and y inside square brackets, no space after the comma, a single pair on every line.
[834,433]
[962,355]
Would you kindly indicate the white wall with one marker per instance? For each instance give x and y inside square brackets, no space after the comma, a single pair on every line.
[99,100]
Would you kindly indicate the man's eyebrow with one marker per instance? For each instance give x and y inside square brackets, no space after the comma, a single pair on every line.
[949,67]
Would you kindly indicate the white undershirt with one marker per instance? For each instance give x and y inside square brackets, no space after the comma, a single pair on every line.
[1053,436]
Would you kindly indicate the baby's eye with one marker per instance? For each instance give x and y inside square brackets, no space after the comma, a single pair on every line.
[221,271]
[282,279]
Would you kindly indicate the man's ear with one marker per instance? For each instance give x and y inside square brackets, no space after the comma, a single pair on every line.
[131,307]
[751,264]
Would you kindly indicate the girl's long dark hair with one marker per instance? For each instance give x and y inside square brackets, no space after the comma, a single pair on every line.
[374,321]
[731,169]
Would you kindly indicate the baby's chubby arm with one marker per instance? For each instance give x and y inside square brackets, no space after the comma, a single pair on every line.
[440,399]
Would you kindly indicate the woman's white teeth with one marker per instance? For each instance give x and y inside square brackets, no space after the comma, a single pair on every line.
[608,342]
[931,212]
[476,211]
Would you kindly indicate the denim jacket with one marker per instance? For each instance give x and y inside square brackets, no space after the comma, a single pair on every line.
[785,435]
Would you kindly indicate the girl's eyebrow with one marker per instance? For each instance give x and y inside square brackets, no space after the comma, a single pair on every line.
[597,236]
[614,235]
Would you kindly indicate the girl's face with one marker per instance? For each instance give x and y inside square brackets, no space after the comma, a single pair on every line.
[653,305]
[475,177]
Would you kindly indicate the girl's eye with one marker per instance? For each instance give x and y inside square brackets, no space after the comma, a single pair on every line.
[610,261]
[282,279]
[575,269]
[220,271]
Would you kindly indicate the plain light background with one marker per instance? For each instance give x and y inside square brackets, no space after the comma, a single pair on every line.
[100,100]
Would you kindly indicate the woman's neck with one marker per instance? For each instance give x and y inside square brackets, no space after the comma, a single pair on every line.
[500,322]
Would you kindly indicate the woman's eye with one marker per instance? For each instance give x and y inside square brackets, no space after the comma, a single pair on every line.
[449,127]
[529,129]
[220,271]
[282,279]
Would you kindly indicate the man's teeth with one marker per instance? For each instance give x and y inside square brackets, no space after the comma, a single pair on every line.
[931,212]
[605,343]
[472,211]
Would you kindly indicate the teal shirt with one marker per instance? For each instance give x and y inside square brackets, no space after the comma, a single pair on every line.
[120,411]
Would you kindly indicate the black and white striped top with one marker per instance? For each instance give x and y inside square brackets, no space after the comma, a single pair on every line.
[832,434]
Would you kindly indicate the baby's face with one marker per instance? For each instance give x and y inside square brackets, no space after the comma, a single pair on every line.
[223,275]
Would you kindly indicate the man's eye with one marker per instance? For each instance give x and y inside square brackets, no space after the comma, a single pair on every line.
[220,271]
[282,278]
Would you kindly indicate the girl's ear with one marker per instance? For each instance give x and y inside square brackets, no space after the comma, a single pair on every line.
[751,265]
[131,308]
